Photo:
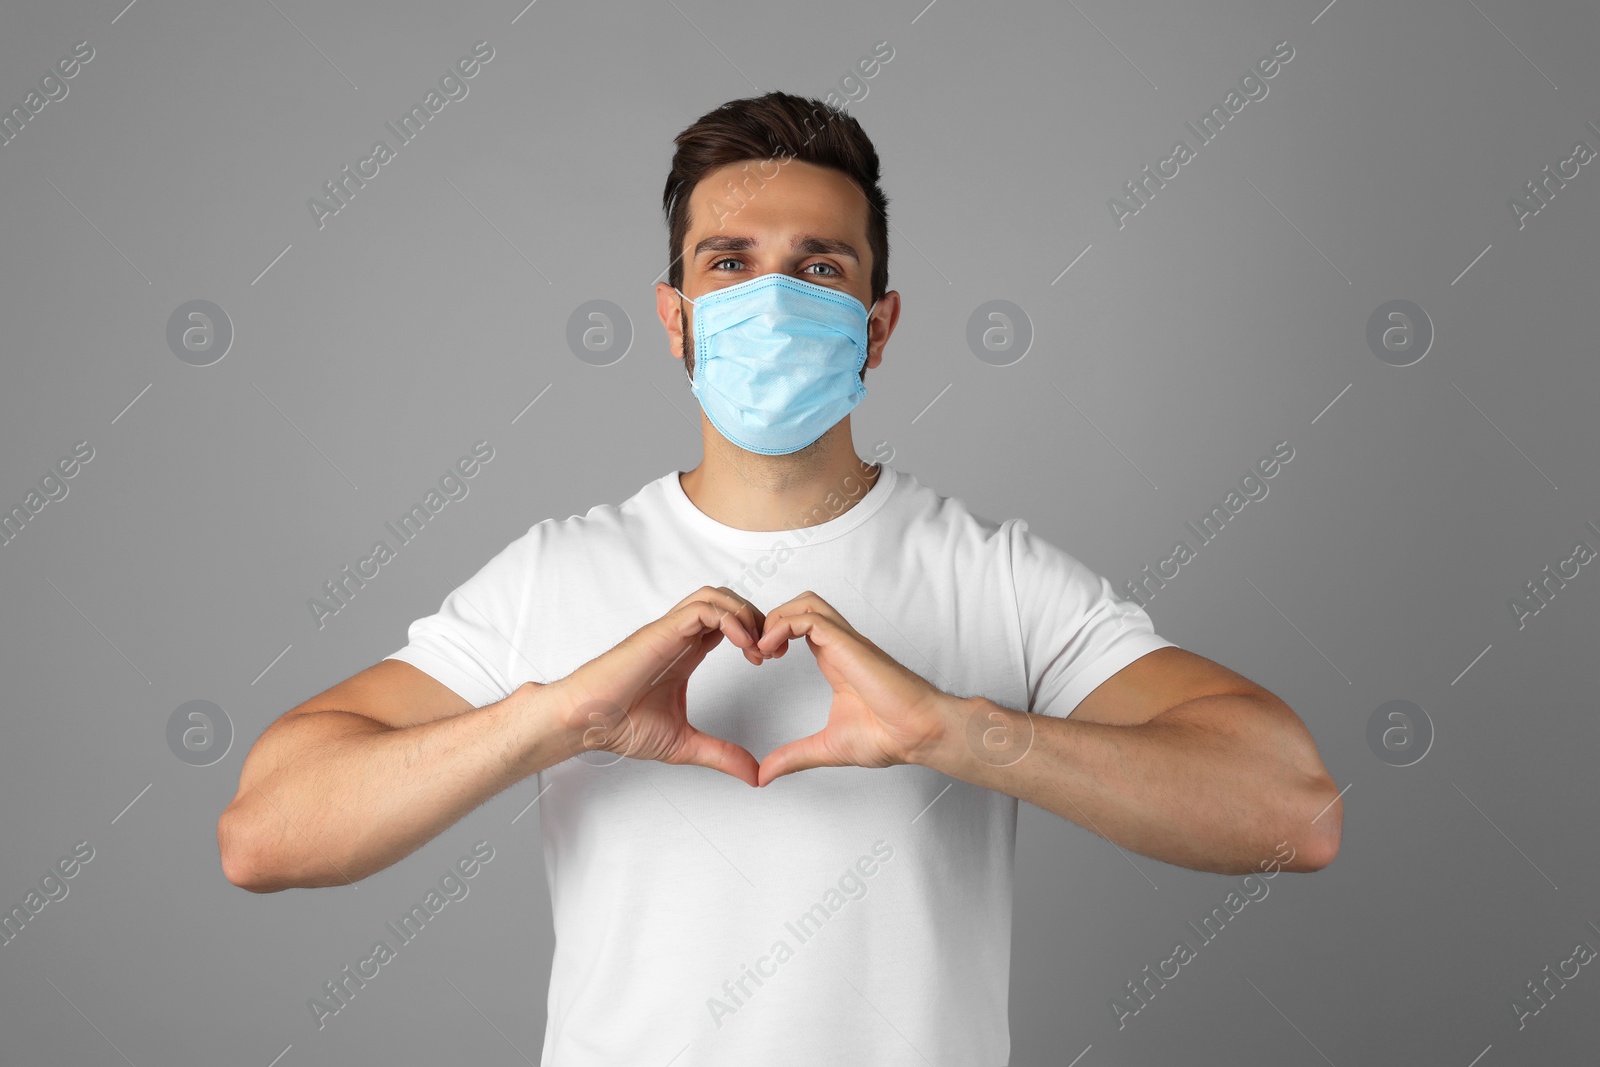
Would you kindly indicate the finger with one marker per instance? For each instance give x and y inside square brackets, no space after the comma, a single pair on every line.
[729,601]
[806,603]
[672,640]
[710,593]
[701,613]
[774,640]
[751,654]
[708,641]
[822,629]
[700,616]
[880,680]
[704,750]
[736,605]
[781,629]
[798,755]
[752,616]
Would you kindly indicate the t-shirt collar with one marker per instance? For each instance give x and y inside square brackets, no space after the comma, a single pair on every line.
[841,523]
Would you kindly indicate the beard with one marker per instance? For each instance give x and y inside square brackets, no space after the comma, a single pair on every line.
[683,341]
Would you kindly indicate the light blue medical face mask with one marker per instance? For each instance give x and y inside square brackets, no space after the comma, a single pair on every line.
[777,360]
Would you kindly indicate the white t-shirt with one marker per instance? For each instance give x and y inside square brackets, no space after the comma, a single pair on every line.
[839,914]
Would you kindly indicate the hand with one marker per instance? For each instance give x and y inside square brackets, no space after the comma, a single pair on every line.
[882,713]
[630,700]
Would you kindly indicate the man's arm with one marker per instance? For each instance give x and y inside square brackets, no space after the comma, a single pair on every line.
[1174,757]
[365,773]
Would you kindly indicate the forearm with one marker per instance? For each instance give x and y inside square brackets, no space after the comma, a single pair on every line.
[1212,784]
[339,795]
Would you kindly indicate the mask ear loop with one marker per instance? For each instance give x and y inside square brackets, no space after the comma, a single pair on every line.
[868,346]
[683,332]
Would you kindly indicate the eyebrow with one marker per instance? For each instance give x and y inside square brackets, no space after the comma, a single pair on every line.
[810,244]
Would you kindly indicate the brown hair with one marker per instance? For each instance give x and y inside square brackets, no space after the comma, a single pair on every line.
[780,126]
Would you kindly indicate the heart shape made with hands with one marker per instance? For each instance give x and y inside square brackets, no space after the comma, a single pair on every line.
[881,714]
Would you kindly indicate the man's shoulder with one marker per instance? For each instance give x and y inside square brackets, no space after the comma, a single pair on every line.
[602,525]
[924,503]
[948,519]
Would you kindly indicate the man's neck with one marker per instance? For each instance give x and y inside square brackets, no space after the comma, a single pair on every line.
[754,492]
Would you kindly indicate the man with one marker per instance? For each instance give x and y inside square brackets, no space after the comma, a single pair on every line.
[845,898]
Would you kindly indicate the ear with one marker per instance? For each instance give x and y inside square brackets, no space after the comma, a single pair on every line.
[880,326]
[668,304]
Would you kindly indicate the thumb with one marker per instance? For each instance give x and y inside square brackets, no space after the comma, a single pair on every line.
[704,750]
[798,755]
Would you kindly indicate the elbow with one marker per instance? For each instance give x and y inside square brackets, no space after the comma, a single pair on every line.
[1312,813]
[240,864]
[1321,825]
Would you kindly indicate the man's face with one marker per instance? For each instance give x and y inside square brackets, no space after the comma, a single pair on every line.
[777,215]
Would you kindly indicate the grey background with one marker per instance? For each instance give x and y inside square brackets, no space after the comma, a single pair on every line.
[1228,315]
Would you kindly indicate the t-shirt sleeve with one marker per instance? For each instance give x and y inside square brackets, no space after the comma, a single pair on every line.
[467,644]
[1076,632]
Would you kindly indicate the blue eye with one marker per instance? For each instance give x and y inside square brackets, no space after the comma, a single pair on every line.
[832,271]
